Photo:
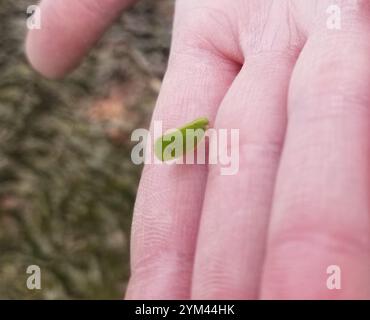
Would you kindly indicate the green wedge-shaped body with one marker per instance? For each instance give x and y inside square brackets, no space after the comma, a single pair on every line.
[178,142]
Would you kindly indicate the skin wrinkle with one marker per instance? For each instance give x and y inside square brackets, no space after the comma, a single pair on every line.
[194,34]
[272,230]
[149,222]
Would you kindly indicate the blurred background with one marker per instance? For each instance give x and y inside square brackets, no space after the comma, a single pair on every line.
[67,184]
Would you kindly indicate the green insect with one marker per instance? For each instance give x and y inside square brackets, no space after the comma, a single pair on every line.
[180,141]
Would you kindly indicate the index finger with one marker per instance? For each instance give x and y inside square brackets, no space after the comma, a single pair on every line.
[69,29]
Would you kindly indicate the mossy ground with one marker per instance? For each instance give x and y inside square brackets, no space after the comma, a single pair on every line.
[67,184]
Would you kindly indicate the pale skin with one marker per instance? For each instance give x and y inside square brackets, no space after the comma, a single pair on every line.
[300,95]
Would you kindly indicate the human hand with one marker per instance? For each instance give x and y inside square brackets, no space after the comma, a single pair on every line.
[299,93]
